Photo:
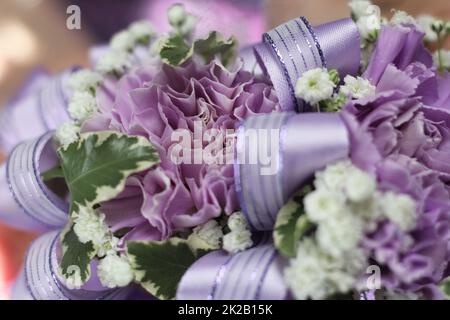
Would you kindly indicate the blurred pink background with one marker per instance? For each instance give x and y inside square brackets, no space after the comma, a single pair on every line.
[33,32]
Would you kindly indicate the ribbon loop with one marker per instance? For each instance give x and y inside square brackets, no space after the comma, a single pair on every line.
[276,153]
[295,47]
[254,274]
[39,280]
[25,201]
[40,106]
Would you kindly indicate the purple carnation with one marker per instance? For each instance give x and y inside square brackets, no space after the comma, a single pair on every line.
[157,101]
[401,134]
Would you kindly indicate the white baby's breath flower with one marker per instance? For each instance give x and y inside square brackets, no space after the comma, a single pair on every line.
[67,133]
[84,80]
[237,241]
[122,41]
[314,274]
[333,177]
[367,17]
[340,235]
[445,59]
[91,226]
[368,25]
[188,26]
[322,204]
[357,88]
[237,222]
[113,62]
[140,30]
[402,18]
[360,8]
[82,105]
[115,271]
[360,185]
[400,209]
[177,14]
[314,86]
[424,23]
[210,232]
[369,210]
[110,246]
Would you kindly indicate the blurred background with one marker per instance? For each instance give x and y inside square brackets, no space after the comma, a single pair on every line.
[34,33]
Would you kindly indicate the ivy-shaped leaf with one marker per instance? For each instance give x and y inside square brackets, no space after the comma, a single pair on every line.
[215,45]
[96,167]
[174,50]
[76,255]
[95,170]
[291,225]
[159,265]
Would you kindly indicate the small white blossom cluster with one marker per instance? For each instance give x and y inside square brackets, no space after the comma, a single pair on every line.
[402,18]
[367,17]
[117,59]
[344,206]
[82,104]
[67,133]
[114,270]
[318,88]
[90,226]
[314,86]
[239,238]
[357,88]
[183,22]
[210,232]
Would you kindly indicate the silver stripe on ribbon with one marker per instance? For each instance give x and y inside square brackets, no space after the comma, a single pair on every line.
[288,148]
[253,274]
[39,207]
[295,49]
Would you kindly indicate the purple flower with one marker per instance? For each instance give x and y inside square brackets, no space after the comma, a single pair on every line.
[155,103]
[401,135]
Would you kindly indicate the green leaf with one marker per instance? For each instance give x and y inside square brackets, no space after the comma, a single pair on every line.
[215,45]
[76,255]
[97,166]
[174,51]
[95,170]
[53,173]
[291,225]
[159,265]
[444,286]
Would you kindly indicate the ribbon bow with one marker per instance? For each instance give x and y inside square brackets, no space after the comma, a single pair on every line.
[307,142]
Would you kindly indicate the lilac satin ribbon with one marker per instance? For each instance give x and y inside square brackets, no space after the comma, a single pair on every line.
[295,47]
[255,274]
[40,106]
[39,279]
[276,153]
[25,201]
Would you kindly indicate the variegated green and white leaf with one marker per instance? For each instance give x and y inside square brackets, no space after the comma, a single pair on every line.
[291,225]
[96,166]
[174,50]
[215,45]
[76,259]
[95,169]
[159,265]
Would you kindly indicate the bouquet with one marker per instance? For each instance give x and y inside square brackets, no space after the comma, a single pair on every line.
[312,165]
